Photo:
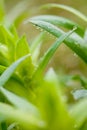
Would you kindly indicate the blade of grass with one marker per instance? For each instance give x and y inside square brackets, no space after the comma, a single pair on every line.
[69,9]
[76,43]
[60,21]
[8,72]
[48,55]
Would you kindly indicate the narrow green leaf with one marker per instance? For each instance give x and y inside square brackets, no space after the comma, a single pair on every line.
[48,55]
[26,68]
[8,40]
[18,101]
[25,119]
[75,42]
[23,45]
[14,76]
[14,32]
[69,9]
[60,21]
[8,72]
[6,33]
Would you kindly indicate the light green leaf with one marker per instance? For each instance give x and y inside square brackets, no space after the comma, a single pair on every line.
[60,21]
[22,48]
[69,9]
[75,42]
[14,32]
[19,102]
[26,68]
[25,119]
[48,55]
[8,72]
[8,40]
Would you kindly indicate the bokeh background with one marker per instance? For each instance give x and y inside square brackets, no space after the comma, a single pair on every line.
[64,60]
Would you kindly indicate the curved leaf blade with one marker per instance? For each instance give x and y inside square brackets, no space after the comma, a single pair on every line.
[60,21]
[67,8]
[48,55]
[8,72]
[75,42]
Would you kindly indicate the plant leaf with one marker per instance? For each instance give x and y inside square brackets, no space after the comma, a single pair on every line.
[48,55]
[76,43]
[25,119]
[23,45]
[19,102]
[8,40]
[69,9]
[26,68]
[8,72]
[60,21]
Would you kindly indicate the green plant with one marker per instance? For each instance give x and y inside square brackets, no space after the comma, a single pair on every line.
[29,97]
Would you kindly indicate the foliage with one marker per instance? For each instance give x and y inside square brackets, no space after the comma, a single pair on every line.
[31,98]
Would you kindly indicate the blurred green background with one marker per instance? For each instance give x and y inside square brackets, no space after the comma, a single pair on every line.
[64,61]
